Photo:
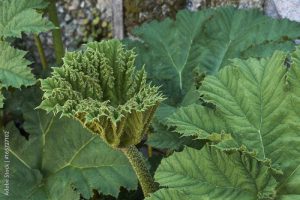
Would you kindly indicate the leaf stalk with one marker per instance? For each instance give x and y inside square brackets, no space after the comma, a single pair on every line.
[56,33]
[41,52]
[139,165]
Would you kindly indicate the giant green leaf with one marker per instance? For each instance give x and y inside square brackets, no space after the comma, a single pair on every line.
[212,174]
[62,159]
[23,179]
[19,16]
[176,52]
[13,67]
[252,95]
[207,40]
[232,33]
[259,101]
[171,50]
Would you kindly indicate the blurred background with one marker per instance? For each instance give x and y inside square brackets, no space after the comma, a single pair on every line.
[82,21]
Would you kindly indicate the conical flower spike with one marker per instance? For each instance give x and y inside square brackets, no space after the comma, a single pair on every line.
[101,88]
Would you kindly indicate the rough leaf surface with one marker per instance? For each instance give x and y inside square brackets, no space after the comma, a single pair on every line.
[19,16]
[13,67]
[195,120]
[253,96]
[213,174]
[257,99]
[61,156]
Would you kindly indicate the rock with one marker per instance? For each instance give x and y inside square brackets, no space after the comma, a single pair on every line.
[165,9]
[68,18]
[194,5]
[82,4]
[283,9]
[270,9]
[60,10]
[74,5]
[105,7]
[251,4]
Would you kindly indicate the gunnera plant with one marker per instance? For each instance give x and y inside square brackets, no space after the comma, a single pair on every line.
[101,88]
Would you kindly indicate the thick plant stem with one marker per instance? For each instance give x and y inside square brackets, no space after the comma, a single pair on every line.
[138,163]
[40,48]
[56,33]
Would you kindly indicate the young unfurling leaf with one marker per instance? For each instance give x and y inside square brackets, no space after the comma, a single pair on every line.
[100,87]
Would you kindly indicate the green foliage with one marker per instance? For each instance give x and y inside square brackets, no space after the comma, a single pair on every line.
[256,99]
[213,174]
[19,16]
[251,95]
[294,78]
[195,120]
[165,139]
[13,67]
[101,88]
[178,53]
[16,17]
[62,160]
[206,40]
[236,122]
[170,50]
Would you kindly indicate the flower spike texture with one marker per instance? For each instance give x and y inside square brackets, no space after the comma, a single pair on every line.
[101,88]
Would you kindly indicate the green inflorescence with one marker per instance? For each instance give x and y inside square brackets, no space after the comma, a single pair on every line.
[101,88]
